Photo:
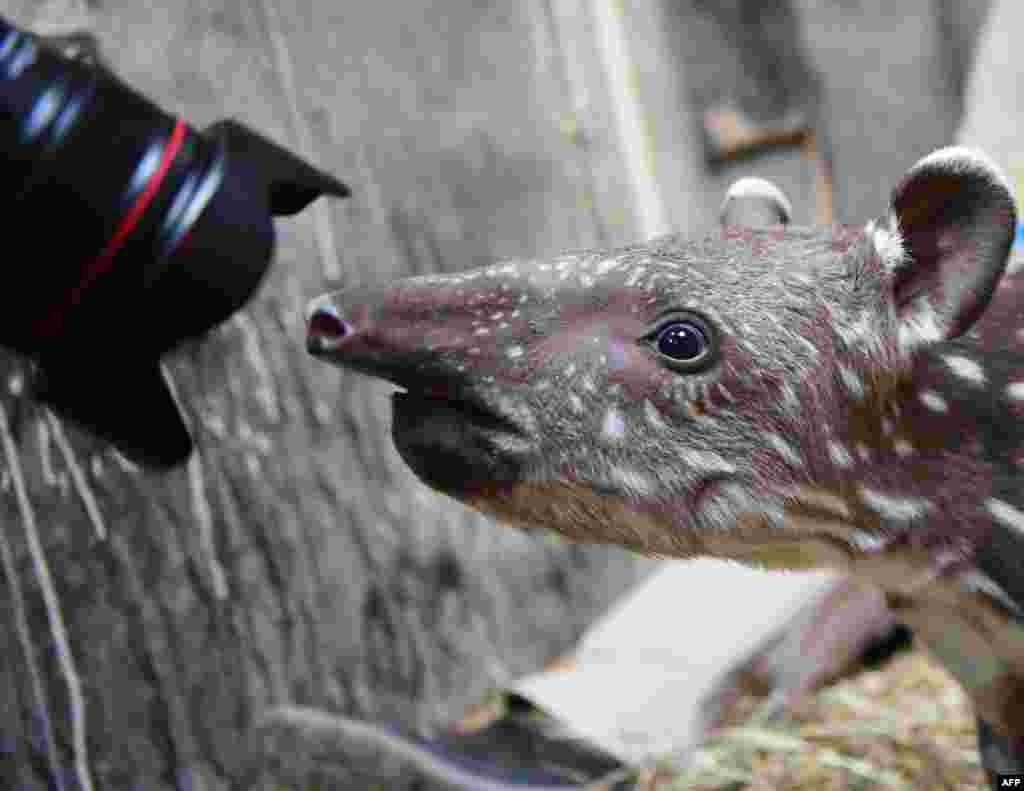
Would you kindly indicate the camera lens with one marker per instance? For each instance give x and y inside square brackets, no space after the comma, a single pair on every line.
[129,232]
[98,174]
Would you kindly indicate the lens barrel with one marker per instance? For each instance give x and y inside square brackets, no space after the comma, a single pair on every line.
[98,169]
[126,231]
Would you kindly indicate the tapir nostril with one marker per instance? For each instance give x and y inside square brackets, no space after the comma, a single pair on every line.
[325,329]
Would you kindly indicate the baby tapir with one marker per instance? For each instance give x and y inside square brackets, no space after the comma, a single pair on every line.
[843,397]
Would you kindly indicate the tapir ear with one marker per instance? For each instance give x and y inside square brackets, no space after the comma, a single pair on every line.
[951,227]
[755,203]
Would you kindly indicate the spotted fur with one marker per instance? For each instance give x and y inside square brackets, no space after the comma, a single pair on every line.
[859,406]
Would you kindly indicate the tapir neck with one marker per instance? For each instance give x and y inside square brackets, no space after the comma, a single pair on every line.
[938,460]
[981,376]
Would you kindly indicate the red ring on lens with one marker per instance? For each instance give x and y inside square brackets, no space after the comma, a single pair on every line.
[52,323]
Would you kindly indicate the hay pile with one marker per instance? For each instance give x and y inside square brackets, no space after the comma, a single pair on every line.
[906,726]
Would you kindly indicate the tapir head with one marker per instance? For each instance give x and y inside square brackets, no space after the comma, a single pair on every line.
[667,396]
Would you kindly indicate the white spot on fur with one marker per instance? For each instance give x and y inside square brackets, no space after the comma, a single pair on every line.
[934,401]
[1015,390]
[978,582]
[784,449]
[851,382]
[614,427]
[790,399]
[1006,513]
[965,368]
[901,509]
[888,244]
[887,426]
[705,461]
[514,351]
[920,327]
[903,448]
[511,443]
[634,482]
[575,403]
[865,541]
[606,266]
[482,331]
[863,451]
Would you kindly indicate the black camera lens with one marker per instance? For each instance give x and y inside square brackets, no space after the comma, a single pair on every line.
[131,231]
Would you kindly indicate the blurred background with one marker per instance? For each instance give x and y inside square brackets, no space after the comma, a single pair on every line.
[295,560]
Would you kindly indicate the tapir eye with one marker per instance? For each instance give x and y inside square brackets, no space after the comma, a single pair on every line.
[685,342]
[682,340]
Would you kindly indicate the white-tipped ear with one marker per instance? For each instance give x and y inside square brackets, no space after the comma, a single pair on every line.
[755,203]
[946,243]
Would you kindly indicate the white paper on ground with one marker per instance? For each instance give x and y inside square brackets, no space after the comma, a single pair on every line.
[642,671]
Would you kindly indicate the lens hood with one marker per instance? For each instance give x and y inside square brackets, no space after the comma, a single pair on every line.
[134,231]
